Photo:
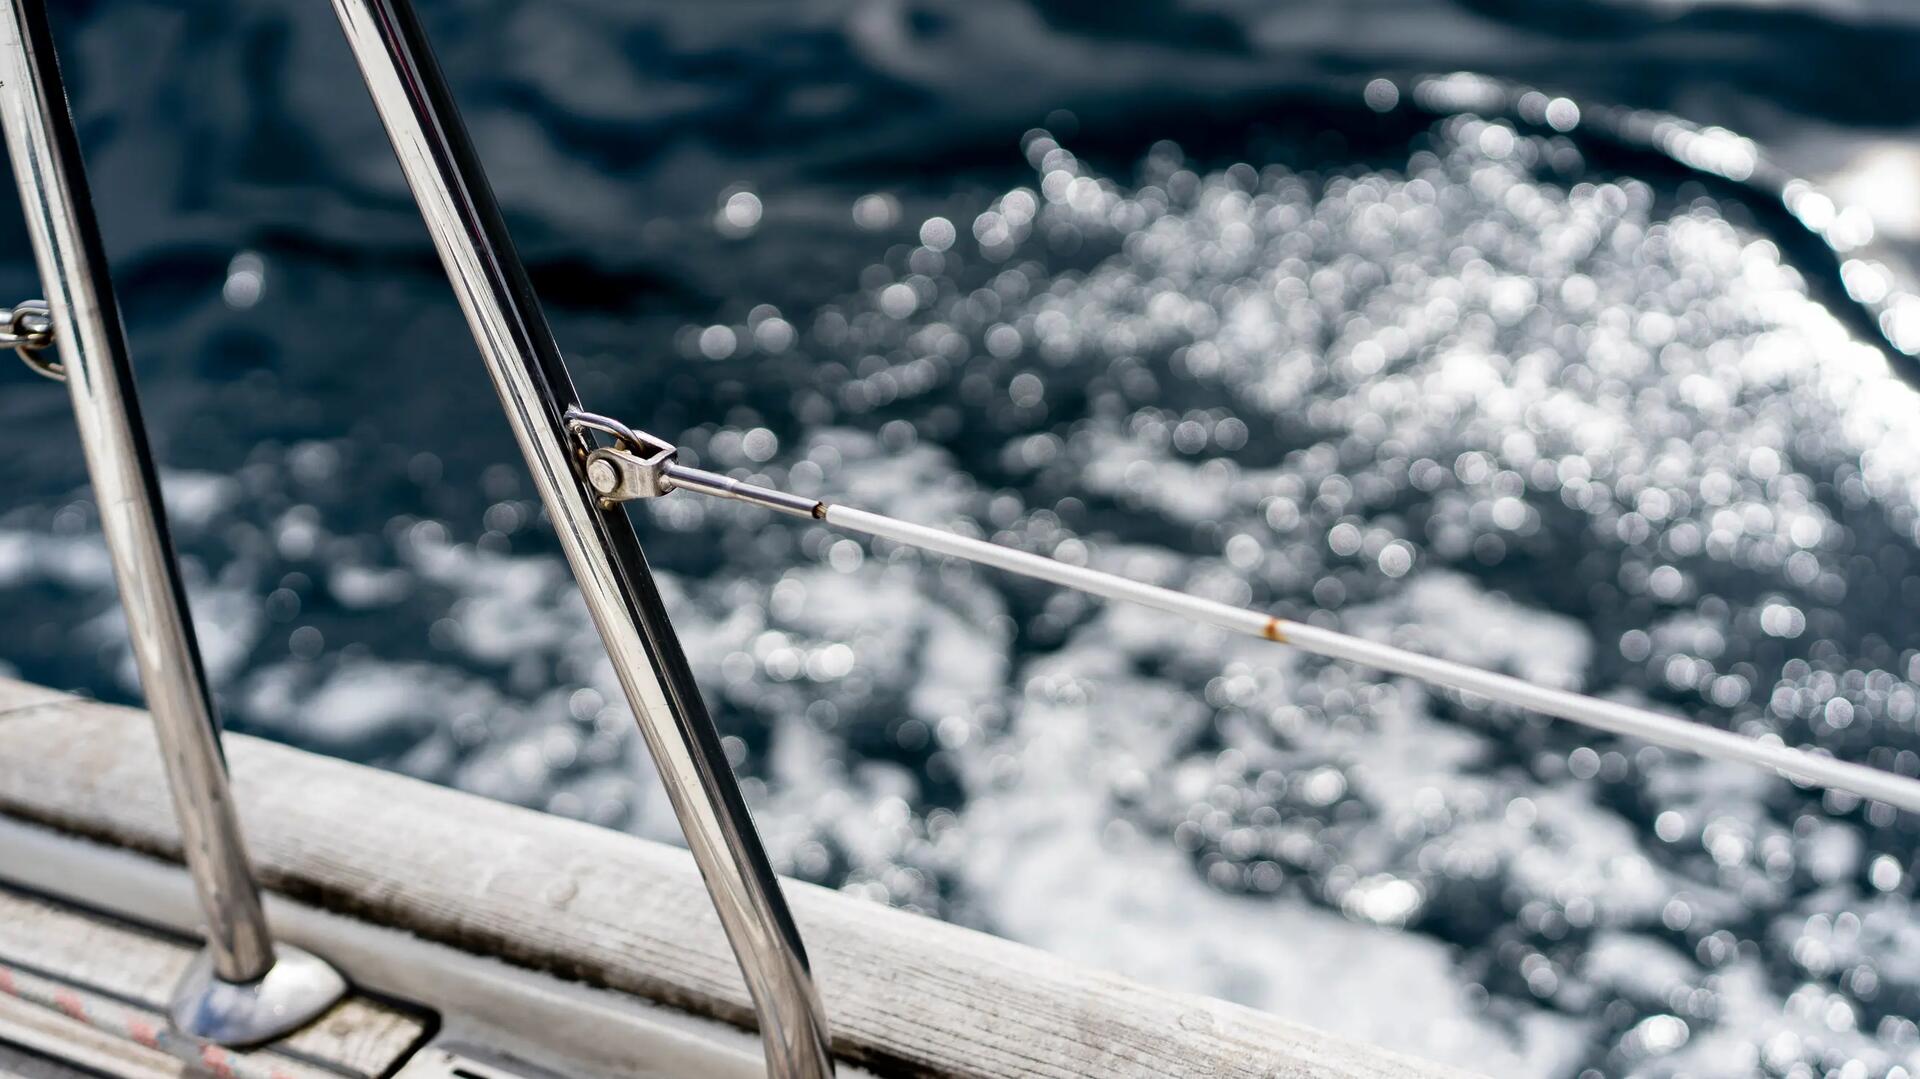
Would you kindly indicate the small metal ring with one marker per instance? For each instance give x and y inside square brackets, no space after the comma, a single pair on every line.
[578,418]
[29,330]
[638,443]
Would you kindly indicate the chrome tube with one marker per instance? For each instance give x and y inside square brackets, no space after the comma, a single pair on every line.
[464,221]
[244,989]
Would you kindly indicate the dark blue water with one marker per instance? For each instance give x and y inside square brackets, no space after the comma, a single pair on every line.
[1159,288]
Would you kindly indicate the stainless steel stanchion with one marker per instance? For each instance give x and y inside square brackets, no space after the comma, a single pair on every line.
[243,989]
[454,197]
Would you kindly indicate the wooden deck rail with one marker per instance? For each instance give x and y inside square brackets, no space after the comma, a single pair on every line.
[909,995]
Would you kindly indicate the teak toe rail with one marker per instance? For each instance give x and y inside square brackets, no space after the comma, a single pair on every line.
[910,996]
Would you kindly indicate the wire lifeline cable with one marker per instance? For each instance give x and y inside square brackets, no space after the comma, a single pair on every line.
[662,474]
[1611,716]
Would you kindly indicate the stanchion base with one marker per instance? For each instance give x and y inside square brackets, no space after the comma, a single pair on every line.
[292,993]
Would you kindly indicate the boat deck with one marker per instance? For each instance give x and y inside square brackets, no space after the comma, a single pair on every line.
[17,1063]
[80,987]
[533,946]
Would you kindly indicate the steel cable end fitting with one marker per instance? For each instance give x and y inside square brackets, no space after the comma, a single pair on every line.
[634,467]
[642,466]
[28,330]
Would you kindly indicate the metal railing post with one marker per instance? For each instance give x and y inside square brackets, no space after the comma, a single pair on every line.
[243,989]
[464,221]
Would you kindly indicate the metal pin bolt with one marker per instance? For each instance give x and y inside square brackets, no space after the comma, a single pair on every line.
[603,477]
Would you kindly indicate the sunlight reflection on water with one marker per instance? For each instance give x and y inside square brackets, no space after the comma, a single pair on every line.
[1485,400]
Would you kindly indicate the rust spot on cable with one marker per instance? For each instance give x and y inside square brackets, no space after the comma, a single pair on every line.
[1273,630]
